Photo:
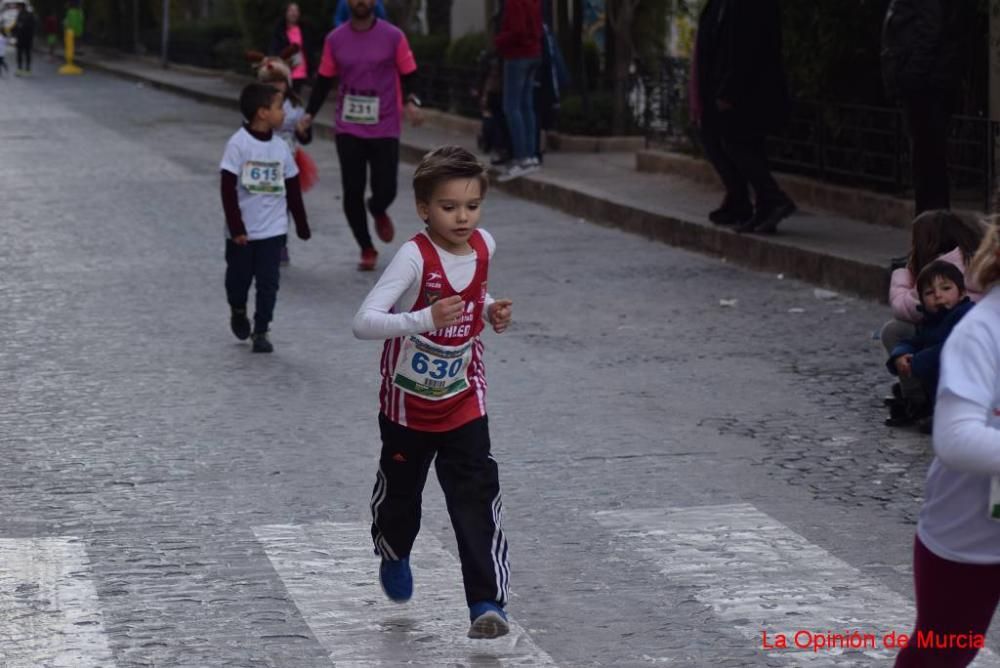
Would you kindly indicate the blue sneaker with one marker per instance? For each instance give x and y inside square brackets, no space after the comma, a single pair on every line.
[396,579]
[488,621]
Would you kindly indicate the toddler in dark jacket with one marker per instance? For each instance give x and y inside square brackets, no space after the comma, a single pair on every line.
[943,299]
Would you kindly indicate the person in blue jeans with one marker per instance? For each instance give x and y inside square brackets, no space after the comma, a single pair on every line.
[519,43]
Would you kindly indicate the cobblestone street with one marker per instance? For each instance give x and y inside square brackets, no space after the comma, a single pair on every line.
[690,453]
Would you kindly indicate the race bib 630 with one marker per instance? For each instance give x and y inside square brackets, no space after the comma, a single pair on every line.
[430,370]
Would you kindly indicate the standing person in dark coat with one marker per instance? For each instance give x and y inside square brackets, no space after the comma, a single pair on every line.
[923,54]
[290,31]
[740,85]
[24,32]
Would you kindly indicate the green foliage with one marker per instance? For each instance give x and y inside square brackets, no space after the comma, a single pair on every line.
[574,119]
[832,51]
[832,48]
[215,44]
[465,51]
[429,49]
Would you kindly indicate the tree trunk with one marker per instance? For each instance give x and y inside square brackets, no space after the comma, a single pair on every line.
[621,15]
[564,31]
[439,17]
[623,59]
[403,12]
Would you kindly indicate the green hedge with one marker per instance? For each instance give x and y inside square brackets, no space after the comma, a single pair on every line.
[429,49]
[465,51]
[216,44]
[574,120]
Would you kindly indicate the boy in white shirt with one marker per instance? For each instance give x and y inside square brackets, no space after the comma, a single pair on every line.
[260,186]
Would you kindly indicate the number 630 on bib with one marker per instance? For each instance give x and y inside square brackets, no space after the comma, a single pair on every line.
[431,370]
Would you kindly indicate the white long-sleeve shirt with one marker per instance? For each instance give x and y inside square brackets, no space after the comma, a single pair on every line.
[954,522]
[385,312]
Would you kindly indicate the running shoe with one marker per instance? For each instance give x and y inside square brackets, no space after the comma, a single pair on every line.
[384,228]
[396,579]
[239,323]
[368,258]
[488,621]
[261,344]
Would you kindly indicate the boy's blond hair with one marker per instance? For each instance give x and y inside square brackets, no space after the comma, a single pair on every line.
[443,164]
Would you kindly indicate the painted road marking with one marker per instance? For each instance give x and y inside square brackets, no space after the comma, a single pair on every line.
[757,574]
[331,573]
[49,612]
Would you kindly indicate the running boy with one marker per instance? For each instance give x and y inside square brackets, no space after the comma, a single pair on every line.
[430,306]
[260,185]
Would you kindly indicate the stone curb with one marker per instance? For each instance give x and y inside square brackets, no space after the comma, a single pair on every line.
[756,252]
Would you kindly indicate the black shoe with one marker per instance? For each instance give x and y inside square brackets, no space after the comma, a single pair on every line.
[239,324]
[904,412]
[261,344]
[925,425]
[766,219]
[730,216]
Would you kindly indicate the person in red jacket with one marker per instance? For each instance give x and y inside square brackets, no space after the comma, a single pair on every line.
[519,43]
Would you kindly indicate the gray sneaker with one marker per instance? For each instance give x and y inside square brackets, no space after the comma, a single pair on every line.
[512,172]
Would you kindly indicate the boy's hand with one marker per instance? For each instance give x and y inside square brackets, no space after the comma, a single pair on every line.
[302,127]
[499,315]
[241,240]
[904,366]
[447,311]
[303,232]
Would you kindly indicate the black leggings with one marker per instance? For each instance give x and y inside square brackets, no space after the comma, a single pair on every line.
[24,54]
[356,156]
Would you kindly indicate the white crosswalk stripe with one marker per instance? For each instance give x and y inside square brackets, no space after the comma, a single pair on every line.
[332,575]
[49,612]
[758,575]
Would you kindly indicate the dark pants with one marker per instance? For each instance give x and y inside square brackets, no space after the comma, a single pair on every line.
[468,476]
[24,54]
[356,157]
[258,261]
[952,598]
[3,65]
[739,157]
[928,117]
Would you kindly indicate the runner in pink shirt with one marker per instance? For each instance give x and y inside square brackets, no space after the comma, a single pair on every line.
[368,57]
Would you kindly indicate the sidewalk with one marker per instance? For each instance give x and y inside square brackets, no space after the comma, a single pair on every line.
[606,188]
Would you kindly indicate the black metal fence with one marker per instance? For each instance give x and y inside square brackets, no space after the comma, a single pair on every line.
[859,145]
[452,89]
